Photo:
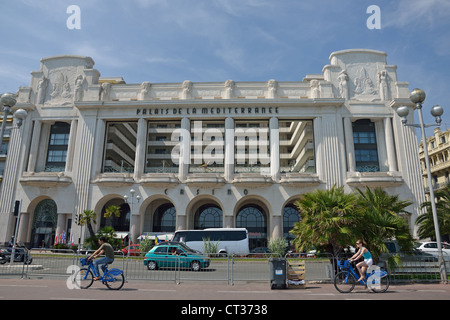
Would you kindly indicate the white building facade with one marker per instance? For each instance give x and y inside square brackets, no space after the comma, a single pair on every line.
[213,154]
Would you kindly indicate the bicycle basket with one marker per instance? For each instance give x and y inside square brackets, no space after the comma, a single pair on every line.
[343,264]
[85,261]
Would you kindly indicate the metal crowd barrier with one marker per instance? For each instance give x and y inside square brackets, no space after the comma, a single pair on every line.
[60,263]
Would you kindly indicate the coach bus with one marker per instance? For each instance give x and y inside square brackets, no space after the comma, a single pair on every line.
[228,240]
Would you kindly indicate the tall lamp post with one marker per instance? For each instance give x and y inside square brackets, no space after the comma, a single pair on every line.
[138,198]
[418,97]
[8,100]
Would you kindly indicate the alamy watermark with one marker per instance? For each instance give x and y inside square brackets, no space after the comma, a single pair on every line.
[374,21]
[74,20]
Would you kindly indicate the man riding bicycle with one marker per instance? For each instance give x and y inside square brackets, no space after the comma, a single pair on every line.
[105,248]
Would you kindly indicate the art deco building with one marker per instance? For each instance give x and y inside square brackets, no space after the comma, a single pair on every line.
[210,154]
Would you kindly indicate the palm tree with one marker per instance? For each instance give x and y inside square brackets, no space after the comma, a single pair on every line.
[112,211]
[425,221]
[87,218]
[383,217]
[327,220]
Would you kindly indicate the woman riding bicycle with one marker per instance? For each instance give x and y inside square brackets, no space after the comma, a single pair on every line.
[105,248]
[363,265]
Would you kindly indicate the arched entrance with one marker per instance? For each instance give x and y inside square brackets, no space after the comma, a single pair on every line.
[290,217]
[164,218]
[121,223]
[43,229]
[253,218]
[208,216]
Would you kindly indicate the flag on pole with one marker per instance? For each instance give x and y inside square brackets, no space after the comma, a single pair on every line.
[56,239]
[156,239]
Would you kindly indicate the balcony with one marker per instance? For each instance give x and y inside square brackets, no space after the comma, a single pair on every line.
[374,179]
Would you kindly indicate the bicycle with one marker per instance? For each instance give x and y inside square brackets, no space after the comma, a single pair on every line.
[113,279]
[345,280]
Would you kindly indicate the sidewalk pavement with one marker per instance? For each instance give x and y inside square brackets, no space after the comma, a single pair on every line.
[58,289]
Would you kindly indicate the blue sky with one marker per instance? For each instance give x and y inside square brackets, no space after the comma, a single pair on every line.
[216,40]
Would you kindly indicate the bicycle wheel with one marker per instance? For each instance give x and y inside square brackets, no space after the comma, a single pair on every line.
[114,280]
[380,284]
[84,278]
[344,282]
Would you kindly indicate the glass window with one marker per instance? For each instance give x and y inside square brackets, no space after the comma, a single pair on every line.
[163,137]
[57,147]
[296,146]
[164,218]
[207,146]
[365,144]
[208,216]
[161,250]
[120,147]
[251,147]
[290,218]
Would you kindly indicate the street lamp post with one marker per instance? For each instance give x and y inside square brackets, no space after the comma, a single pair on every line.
[8,100]
[138,198]
[418,97]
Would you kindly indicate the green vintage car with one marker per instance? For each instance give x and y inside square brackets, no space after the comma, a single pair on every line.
[175,255]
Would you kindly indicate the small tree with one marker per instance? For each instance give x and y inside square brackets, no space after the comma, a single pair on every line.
[146,245]
[278,246]
[110,236]
[210,247]
[112,211]
[86,219]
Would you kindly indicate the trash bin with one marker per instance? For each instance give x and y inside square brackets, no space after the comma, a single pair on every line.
[277,267]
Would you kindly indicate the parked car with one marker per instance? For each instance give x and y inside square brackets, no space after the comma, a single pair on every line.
[431,248]
[134,250]
[173,255]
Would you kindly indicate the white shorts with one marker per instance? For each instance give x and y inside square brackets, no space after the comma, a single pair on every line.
[369,262]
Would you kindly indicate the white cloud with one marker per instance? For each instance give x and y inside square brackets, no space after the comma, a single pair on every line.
[418,13]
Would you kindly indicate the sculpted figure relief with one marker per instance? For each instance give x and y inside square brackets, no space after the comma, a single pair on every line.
[105,91]
[363,83]
[78,95]
[272,89]
[315,89]
[229,89]
[343,84]
[42,90]
[186,93]
[383,85]
[144,93]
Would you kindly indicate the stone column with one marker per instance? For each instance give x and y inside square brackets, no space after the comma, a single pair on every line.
[276,227]
[185,149]
[229,149]
[349,145]
[34,146]
[390,147]
[274,149]
[139,160]
[60,224]
[71,146]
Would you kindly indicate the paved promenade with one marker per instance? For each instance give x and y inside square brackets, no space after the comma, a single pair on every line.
[51,289]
